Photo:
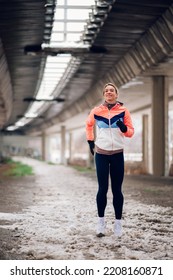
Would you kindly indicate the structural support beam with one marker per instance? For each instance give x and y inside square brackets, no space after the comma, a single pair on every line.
[63,145]
[6,95]
[160,125]
[1,145]
[145,139]
[70,146]
[43,146]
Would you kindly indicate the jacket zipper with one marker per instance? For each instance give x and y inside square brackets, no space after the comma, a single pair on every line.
[109,117]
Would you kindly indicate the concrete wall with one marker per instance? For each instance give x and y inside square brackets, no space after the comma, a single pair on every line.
[20,145]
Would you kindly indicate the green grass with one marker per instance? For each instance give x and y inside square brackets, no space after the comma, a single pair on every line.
[51,163]
[154,191]
[18,169]
[82,168]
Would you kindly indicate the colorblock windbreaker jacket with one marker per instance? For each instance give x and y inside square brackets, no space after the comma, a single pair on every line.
[108,135]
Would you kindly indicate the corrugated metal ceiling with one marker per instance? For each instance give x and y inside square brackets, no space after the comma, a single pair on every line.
[22,23]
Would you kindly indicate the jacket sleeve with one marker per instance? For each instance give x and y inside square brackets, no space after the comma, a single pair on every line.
[90,122]
[128,123]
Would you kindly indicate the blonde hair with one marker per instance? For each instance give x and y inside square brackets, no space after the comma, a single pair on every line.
[110,84]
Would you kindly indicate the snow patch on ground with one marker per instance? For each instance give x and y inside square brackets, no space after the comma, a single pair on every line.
[61,222]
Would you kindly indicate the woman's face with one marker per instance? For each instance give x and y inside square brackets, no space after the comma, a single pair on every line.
[110,94]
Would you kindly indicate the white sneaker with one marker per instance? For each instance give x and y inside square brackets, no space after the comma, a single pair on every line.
[118,228]
[101,227]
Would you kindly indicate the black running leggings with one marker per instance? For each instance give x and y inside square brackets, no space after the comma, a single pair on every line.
[112,165]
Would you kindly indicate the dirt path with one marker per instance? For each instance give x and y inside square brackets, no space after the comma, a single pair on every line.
[52,215]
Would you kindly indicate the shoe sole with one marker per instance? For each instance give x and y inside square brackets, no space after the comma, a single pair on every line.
[100,234]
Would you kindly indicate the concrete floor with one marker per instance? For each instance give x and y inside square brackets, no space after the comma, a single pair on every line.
[52,215]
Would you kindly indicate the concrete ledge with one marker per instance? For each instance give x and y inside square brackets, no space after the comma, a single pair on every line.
[6,100]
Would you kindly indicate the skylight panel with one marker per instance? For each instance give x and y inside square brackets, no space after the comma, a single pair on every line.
[59,59]
[69,22]
[58,26]
[71,37]
[57,37]
[77,14]
[60,2]
[36,107]
[57,65]
[75,26]
[59,15]
[80,3]
[54,70]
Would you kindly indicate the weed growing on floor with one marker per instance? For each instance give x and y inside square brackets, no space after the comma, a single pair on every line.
[17,169]
[82,168]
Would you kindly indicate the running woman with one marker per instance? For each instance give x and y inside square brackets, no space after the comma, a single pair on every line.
[113,123]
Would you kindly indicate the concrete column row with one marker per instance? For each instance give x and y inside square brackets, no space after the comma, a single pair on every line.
[159,127]
[65,139]
[159,155]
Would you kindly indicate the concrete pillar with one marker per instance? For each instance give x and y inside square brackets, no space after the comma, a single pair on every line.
[43,146]
[145,139]
[63,145]
[70,145]
[1,141]
[48,148]
[160,125]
